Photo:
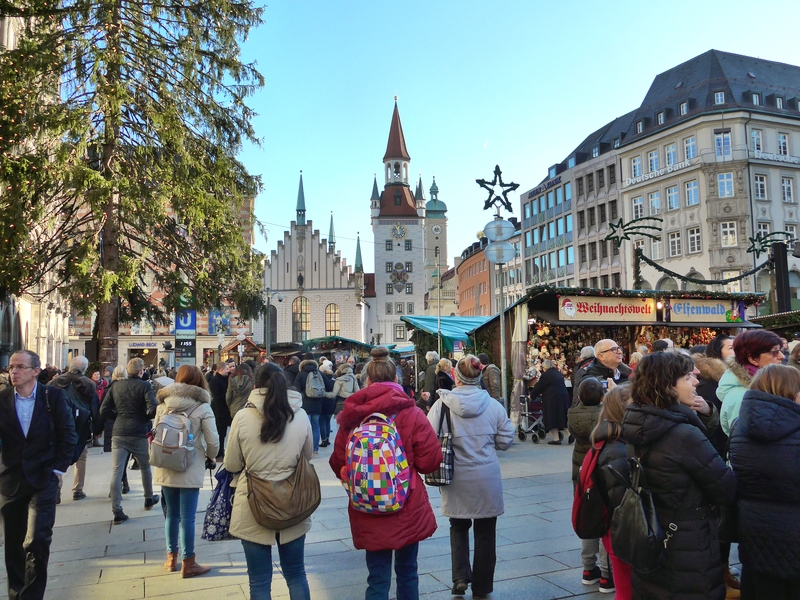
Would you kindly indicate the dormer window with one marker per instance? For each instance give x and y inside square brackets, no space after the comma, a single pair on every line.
[639,126]
[756,99]
[552,172]
[719,97]
[616,142]
[660,118]
[684,108]
[779,103]
[571,162]
[595,152]
[397,199]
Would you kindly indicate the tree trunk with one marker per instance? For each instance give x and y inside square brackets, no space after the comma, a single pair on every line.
[108,311]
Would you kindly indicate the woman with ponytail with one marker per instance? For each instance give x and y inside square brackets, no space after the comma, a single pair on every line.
[267,437]
[394,534]
[474,499]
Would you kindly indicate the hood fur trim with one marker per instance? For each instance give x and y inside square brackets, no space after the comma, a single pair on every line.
[184,390]
[309,362]
[741,373]
[710,368]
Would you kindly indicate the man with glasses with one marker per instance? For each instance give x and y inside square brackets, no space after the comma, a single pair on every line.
[606,366]
[37,437]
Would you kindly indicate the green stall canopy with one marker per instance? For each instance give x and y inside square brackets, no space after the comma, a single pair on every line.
[453,328]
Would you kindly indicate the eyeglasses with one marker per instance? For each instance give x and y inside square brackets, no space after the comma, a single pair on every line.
[19,367]
[614,349]
[774,352]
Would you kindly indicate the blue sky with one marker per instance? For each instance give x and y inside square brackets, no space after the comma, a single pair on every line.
[518,84]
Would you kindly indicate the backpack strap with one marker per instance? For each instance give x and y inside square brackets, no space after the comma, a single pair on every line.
[445,414]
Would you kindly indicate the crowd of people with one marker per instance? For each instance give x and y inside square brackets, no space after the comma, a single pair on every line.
[716,430]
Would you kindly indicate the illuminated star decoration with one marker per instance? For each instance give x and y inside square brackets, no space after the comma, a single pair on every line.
[762,242]
[491,186]
[623,231]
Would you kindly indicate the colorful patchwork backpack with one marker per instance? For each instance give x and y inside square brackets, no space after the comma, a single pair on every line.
[376,472]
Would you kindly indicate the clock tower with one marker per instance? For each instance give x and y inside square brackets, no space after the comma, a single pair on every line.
[398,228]
[435,238]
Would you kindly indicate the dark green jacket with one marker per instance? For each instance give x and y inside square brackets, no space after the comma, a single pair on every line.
[581,420]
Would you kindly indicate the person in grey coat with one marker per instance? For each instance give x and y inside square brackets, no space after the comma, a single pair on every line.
[480,428]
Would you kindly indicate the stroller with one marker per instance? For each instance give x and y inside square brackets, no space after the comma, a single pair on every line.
[531,419]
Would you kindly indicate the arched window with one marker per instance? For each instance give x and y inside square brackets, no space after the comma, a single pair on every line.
[332,319]
[668,284]
[301,319]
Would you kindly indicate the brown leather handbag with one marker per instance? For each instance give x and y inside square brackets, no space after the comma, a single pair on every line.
[282,504]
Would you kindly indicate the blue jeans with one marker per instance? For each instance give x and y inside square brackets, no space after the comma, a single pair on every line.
[259,568]
[181,511]
[325,427]
[379,565]
[314,430]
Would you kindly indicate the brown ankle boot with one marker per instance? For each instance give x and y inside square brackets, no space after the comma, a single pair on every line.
[171,564]
[190,568]
[732,586]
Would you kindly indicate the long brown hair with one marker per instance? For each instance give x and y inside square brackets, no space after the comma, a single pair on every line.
[615,402]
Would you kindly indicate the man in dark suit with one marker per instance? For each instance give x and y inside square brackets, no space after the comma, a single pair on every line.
[37,437]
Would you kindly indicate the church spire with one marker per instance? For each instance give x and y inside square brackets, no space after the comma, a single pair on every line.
[359,262]
[301,203]
[331,237]
[396,159]
[396,148]
[419,196]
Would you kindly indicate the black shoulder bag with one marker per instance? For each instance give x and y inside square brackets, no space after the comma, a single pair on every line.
[636,535]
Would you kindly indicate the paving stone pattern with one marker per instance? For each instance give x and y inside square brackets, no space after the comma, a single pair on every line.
[538,555]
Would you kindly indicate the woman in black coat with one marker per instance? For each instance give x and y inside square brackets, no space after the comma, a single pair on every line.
[685,475]
[555,399]
[765,455]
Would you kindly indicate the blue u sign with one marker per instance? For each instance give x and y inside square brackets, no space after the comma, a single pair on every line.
[186,320]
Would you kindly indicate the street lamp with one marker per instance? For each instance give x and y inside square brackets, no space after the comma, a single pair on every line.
[220,336]
[241,337]
[267,330]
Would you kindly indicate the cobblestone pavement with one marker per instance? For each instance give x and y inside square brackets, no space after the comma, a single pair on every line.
[538,555]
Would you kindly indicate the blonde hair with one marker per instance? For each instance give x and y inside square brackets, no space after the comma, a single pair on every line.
[444,365]
[778,380]
[615,403]
[635,358]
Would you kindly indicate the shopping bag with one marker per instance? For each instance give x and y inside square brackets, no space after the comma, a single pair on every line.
[218,514]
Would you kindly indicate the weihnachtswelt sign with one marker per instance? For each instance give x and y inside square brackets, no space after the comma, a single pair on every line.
[579,308]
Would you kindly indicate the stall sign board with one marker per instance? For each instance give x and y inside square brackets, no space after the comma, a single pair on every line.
[599,309]
[689,310]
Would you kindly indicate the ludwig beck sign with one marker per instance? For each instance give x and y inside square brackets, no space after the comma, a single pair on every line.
[572,308]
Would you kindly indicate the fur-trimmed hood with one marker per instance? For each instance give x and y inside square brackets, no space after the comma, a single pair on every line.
[739,370]
[183,391]
[307,364]
[344,369]
[710,368]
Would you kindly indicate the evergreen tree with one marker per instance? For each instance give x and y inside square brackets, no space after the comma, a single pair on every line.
[120,123]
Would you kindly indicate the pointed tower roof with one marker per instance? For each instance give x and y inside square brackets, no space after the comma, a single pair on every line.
[359,262]
[331,236]
[419,195]
[376,195]
[396,148]
[301,203]
[435,207]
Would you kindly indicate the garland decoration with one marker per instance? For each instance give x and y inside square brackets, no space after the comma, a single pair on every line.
[666,271]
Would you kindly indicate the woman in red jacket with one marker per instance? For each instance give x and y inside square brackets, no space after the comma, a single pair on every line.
[398,533]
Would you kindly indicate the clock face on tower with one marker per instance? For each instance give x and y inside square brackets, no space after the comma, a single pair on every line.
[398,231]
[437,229]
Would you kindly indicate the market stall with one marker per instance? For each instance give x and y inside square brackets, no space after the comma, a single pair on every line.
[337,348]
[561,321]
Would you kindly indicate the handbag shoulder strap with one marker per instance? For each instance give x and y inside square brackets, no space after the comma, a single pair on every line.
[445,414]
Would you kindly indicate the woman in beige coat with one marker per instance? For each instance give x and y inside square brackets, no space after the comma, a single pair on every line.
[268,440]
[188,395]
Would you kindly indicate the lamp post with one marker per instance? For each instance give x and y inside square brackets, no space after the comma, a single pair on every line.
[439,299]
[499,251]
[241,337]
[220,336]
[267,329]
